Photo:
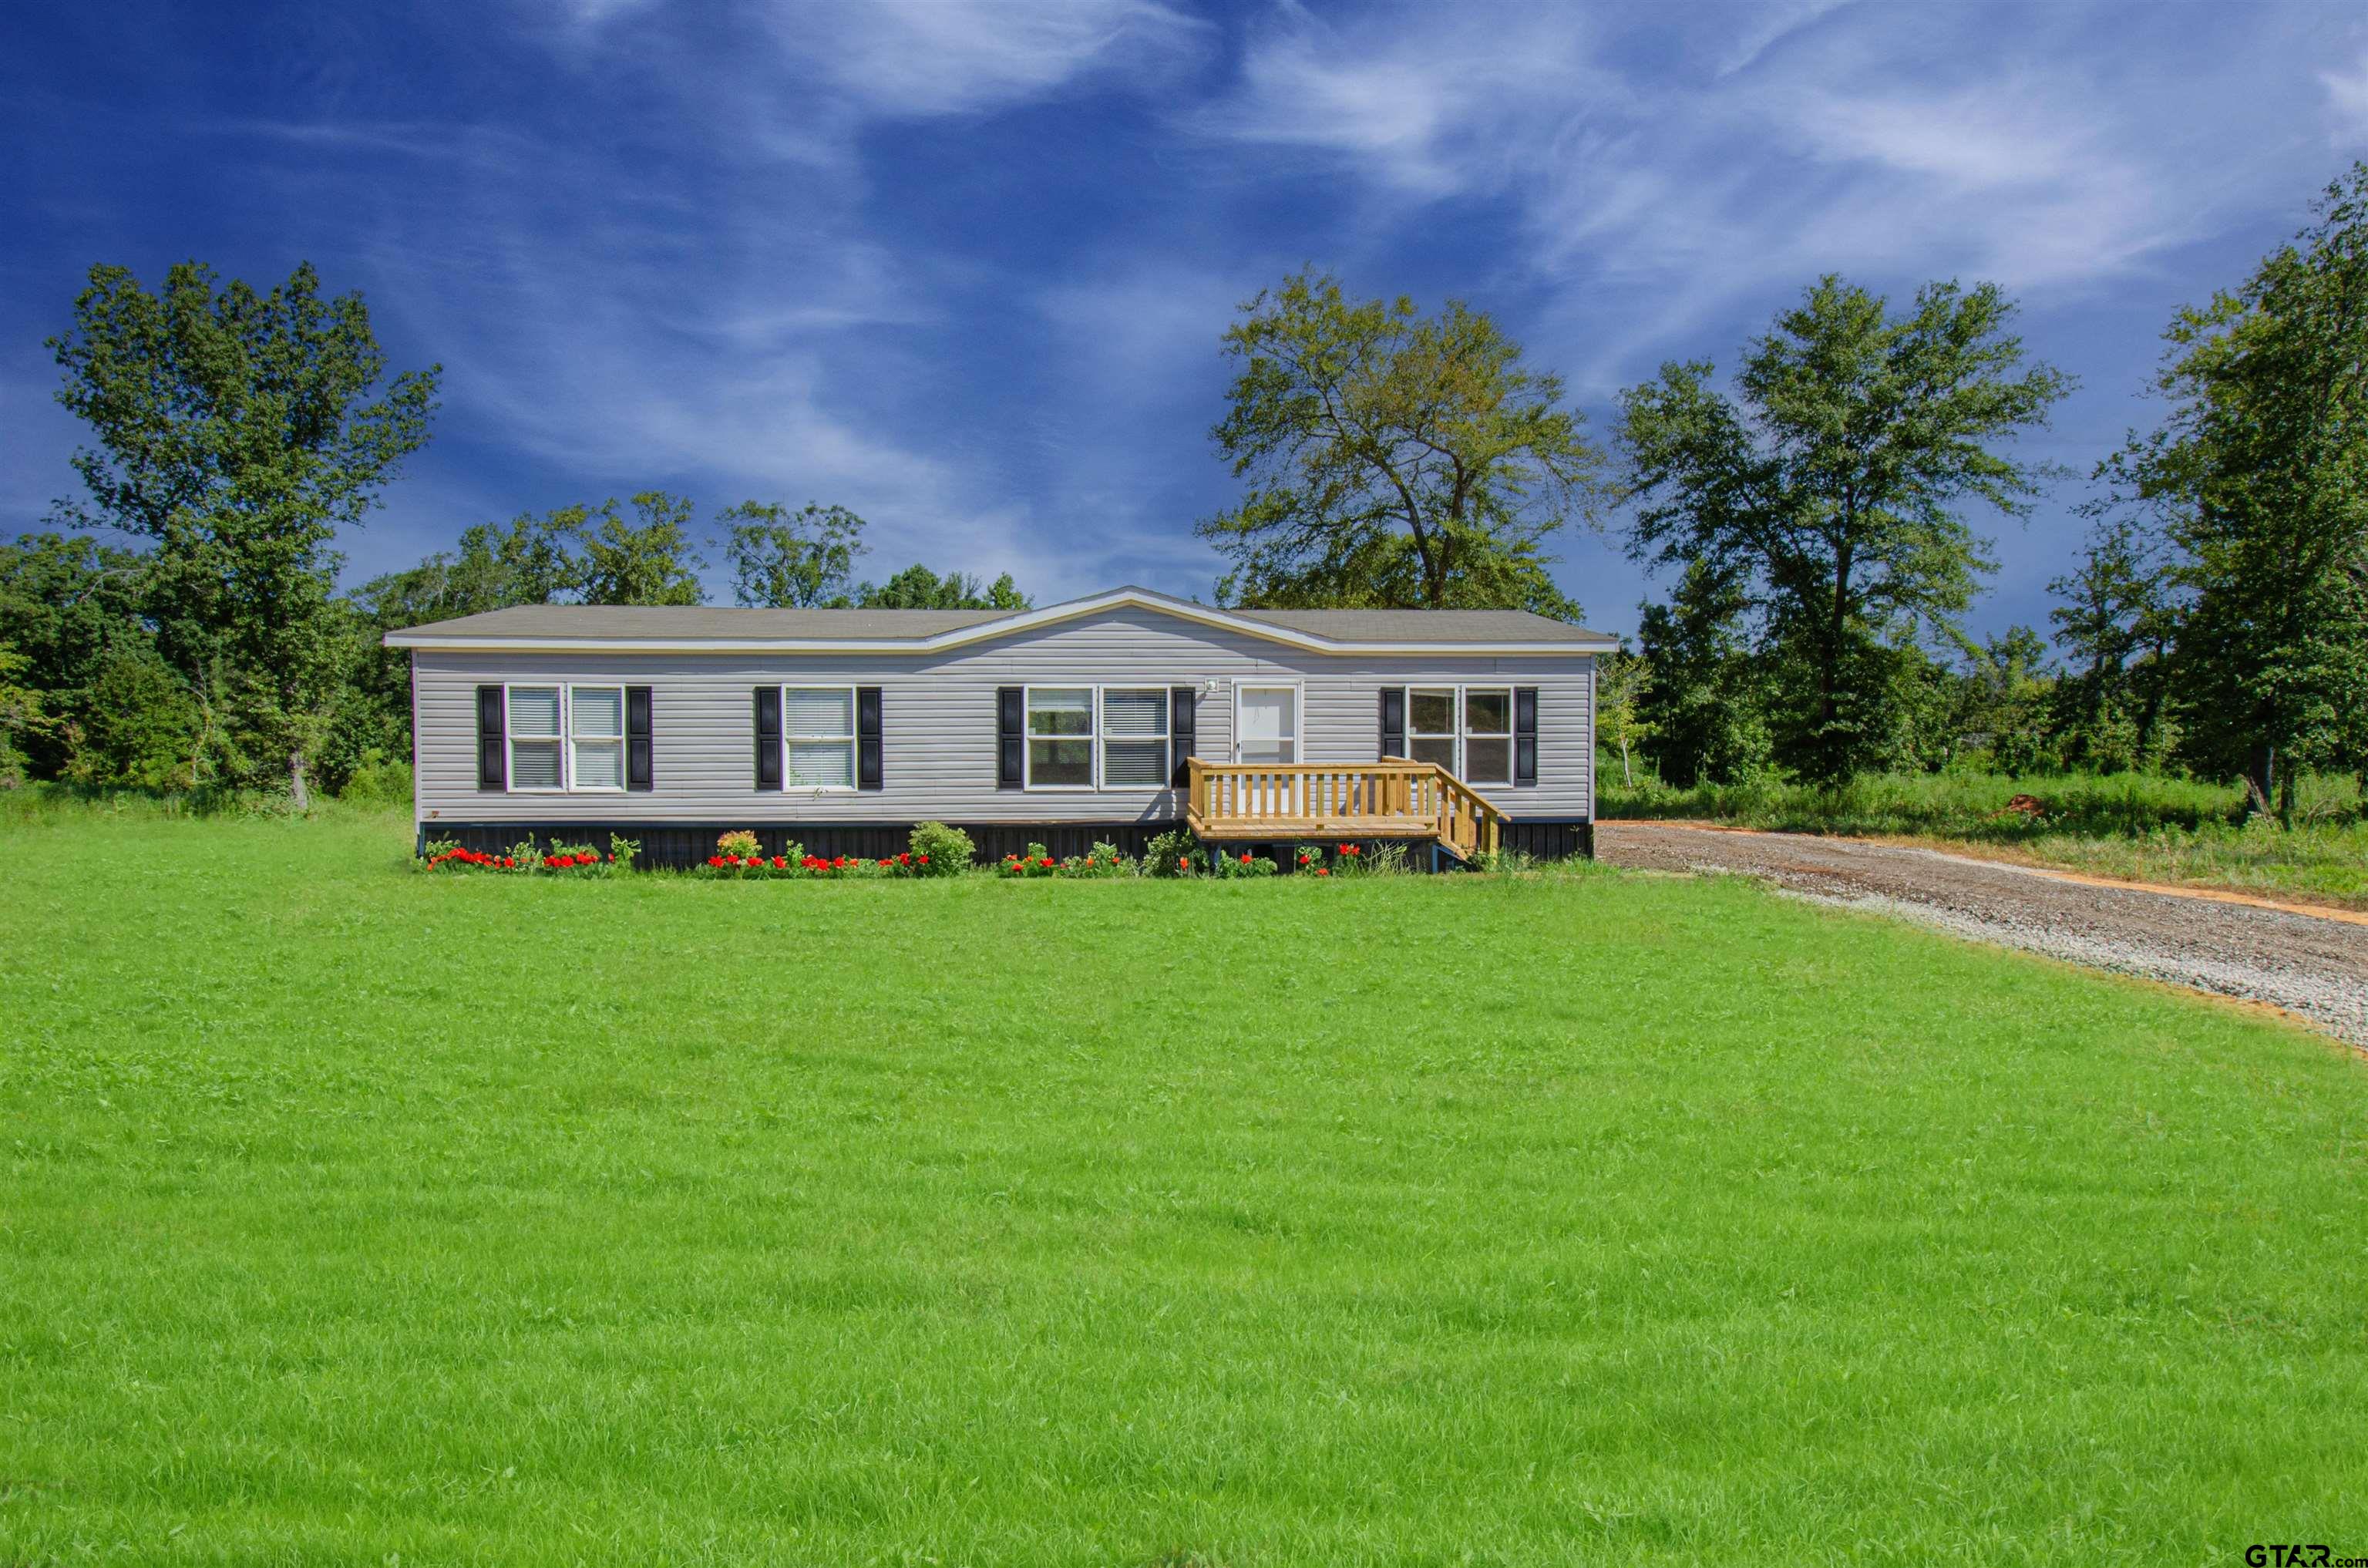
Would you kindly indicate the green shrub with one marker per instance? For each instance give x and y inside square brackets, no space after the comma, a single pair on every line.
[1175,853]
[1244,864]
[1102,860]
[941,851]
[378,780]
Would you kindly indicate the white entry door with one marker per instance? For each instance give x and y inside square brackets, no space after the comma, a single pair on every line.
[1265,730]
[1265,724]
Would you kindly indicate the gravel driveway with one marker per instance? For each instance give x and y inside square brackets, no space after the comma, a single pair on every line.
[2317,968]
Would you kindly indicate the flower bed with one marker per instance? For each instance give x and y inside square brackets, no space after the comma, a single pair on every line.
[578,860]
[937,851]
[797,863]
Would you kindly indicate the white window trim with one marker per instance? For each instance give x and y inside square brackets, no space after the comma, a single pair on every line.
[1464,734]
[1167,738]
[1460,734]
[1098,737]
[853,739]
[1092,737]
[1298,719]
[1452,734]
[510,785]
[567,727]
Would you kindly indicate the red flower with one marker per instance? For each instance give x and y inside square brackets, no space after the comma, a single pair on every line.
[1245,860]
[1183,862]
[1046,861]
[1323,870]
[925,859]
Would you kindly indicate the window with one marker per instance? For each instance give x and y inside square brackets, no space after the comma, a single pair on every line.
[596,731]
[818,737]
[1134,739]
[535,760]
[1061,737]
[1488,734]
[1466,730]
[1265,724]
[1430,725]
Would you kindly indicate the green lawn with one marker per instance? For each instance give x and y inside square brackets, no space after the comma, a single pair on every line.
[348,1214]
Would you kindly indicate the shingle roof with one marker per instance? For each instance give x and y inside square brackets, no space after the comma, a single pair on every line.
[665,623]
[530,625]
[1425,625]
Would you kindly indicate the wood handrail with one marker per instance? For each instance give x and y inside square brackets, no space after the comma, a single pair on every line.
[1389,797]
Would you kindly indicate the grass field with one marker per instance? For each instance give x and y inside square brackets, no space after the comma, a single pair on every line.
[352,1216]
[2142,827]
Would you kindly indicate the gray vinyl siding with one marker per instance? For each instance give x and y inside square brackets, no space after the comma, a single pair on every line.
[939,722]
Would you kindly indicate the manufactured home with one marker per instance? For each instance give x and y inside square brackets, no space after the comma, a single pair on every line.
[1113,717]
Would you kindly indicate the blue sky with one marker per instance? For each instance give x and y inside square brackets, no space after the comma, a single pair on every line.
[963,268]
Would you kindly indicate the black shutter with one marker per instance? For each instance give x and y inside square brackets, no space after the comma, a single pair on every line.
[867,737]
[1183,706]
[769,737]
[1011,743]
[637,738]
[1393,721]
[1525,734]
[492,760]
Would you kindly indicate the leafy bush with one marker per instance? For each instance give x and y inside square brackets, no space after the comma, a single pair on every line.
[1245,865]
[380,781]
[1102,860]
[740,844]
[1171,854]
[941,851]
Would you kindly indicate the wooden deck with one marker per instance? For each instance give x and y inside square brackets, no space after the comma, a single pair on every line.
[1390,799]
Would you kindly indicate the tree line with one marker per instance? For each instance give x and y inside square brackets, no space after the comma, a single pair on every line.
[1812,515]
[234,434]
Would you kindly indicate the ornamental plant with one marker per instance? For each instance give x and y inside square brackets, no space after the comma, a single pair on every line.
[1232,864]
[941,851]
[855,867]
[1175,853]
[742,862]
[1101,860]
[1037,862]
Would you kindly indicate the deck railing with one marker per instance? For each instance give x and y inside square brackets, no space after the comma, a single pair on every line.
[1394,797]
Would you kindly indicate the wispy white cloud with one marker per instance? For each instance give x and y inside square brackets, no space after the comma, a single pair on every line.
[919,58]
[2347,103]
[1896,144]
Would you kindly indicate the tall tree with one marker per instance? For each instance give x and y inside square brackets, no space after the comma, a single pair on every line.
[1833,488]
[652,561]
[2258,476]
[790,559]
[917,587]
[21,716]
[1393,458]
[1622,679]
[68,605]
[2003,700]
[1703,712]
[237,432]
[2118,619]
